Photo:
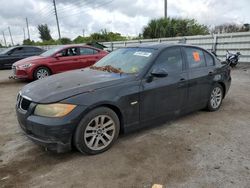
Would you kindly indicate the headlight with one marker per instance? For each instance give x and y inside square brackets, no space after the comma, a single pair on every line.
[53,110]
[25,66]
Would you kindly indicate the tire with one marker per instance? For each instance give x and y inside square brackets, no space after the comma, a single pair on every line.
[41,72]
[215,98]
[92,136]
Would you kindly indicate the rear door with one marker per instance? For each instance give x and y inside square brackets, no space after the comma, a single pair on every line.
[88,56]
[200,78]
[31,51]
[68,61]
[165,96]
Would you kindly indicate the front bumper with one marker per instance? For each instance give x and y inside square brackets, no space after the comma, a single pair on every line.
[54,134]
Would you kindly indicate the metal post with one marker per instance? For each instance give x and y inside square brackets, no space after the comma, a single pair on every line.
[4,39]
[24,37]
[57,22]
[165,9]
[27,23]
[11,37]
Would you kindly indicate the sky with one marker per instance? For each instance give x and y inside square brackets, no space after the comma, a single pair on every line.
[128,17]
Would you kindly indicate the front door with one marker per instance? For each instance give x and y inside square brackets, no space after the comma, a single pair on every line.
[68,61]
[165,96]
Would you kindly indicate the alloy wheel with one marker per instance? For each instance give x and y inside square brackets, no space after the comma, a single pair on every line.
[42,73]
[99,132]
[216,97]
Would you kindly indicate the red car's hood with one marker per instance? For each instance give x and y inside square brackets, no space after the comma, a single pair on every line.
[31,59]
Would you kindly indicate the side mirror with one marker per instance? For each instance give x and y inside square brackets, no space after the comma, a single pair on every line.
[57,55]
[159,72]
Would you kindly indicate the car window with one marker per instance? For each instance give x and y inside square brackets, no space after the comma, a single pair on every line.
[195,57]
[170,59]
[87,51]
[209,59]
[17,51]
[69,52]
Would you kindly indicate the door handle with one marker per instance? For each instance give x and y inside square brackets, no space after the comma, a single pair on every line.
[210,73]
[181,82]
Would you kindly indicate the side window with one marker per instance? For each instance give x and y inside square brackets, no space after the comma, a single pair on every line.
[170,59]
[209,59]
[18,51]
[69,52]
[195,57]
[87,51]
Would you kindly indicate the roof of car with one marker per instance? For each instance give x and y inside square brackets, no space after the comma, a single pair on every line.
[162,45]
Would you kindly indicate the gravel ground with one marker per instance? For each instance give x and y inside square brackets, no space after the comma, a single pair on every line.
[202,149]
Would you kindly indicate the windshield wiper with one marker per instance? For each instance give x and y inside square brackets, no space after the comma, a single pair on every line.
[107,68]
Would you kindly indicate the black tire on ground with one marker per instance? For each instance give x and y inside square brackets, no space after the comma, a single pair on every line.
[91,124]
[41,72]
[216,93]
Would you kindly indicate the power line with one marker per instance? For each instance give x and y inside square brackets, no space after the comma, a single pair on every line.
[89,8]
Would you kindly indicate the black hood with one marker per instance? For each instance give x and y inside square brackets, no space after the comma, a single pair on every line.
[61,86]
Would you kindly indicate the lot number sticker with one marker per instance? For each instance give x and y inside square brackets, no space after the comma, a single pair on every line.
[196,56]
[144,54]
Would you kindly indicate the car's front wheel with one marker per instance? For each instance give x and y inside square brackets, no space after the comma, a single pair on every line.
[41,72]
[215,98]
[97,131]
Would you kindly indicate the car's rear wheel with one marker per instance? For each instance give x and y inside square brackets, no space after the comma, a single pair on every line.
[215,98]
[97,131]
[41,72]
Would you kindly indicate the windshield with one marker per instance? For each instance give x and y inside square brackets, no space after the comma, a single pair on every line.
[125,60]
[5,51]
[51,51]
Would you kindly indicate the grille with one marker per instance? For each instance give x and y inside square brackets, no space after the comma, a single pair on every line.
[23,103]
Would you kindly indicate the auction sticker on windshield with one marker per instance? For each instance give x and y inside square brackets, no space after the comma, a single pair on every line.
[144,54]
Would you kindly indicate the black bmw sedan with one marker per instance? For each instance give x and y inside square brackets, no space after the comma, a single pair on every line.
[128,89]
[13,54]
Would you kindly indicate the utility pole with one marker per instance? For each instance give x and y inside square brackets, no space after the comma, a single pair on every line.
[57,22]
[165,9]
[24,37]
[4,39]
[83,32]
[11,37]
[27,23]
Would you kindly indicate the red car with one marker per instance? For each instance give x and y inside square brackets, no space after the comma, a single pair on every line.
[57,60]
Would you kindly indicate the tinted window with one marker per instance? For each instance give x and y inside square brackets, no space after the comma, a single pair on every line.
[69,52]
[170,59]
[195,57]
[87,51]
[18,51]
[209,59]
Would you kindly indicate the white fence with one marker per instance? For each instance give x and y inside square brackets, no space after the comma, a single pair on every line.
[218,43]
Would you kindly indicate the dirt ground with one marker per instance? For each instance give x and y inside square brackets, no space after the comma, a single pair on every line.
[202,149]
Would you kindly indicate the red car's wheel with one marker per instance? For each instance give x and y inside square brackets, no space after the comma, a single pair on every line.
[41,72]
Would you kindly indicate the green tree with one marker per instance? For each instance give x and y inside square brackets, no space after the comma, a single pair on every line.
[65,40]
[231,28]
[28,42]
[172,27]
[44,32]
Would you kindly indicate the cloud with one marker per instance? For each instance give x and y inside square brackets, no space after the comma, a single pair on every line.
[124,16]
